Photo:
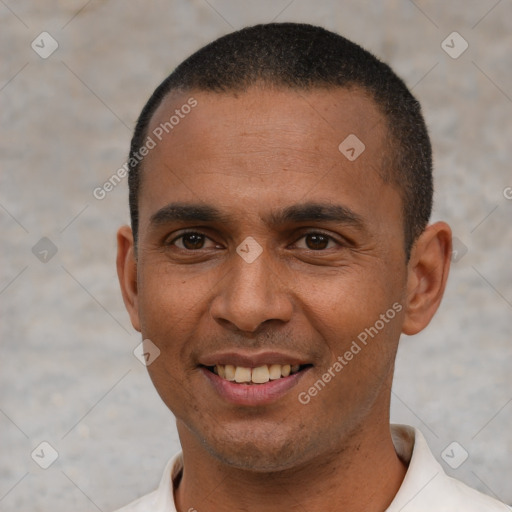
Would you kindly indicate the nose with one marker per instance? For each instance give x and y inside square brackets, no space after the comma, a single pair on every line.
[250,295]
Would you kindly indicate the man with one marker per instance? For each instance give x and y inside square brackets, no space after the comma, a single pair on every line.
[280,193]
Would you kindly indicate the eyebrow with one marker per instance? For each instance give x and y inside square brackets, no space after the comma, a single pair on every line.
[305,212]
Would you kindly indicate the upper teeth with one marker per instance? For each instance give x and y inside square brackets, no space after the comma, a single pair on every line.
[258,375]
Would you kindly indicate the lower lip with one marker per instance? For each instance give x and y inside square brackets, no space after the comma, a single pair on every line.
[253,394]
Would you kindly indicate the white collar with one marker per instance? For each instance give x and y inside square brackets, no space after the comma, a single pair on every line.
[425,487]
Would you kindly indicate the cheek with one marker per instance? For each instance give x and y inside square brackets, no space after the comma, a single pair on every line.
[170,314]
[170,310]
[358,315]
[344,305]
[168,294]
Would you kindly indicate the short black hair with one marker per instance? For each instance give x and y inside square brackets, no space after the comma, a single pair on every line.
[305,57]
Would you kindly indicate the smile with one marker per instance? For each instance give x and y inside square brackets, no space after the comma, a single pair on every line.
[259,375]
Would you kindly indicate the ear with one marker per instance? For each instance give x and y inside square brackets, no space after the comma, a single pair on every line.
[426,276]
[127,273]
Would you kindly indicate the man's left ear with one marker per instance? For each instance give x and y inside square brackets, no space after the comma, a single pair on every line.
[427,273]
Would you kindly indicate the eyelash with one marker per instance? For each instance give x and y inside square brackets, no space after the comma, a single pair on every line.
[316,232]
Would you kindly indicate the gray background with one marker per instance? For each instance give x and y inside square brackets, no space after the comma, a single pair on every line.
[68,375]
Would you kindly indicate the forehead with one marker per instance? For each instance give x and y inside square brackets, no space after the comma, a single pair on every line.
[266,147]
[325,117]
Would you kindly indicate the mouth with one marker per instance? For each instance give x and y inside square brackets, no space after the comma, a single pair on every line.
[259,385]
[258,375]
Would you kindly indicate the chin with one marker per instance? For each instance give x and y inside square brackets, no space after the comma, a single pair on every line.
[258,450]
[256,458]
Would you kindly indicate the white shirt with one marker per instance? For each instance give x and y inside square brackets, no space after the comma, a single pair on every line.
[425,488]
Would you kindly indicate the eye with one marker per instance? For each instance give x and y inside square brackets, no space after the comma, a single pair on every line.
[317,241]
[192,241]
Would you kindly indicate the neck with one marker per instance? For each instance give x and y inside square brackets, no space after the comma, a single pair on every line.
[365,474]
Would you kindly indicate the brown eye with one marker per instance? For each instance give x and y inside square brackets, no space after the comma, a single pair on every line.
[316,241]
[190,241]
[193,241]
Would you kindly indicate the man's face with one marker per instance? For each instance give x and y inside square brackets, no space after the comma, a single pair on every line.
[266,165]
